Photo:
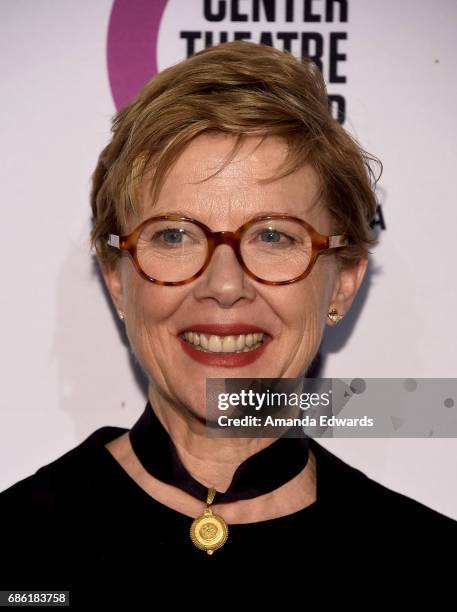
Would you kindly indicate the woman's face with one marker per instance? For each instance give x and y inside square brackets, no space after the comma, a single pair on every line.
[294,316]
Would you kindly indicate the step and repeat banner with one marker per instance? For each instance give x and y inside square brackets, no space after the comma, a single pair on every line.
[68,66]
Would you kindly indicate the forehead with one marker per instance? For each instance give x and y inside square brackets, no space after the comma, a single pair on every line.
[234,193]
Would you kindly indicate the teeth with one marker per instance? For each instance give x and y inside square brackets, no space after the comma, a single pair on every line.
[249,340]
[239,344]
[225,344]
[215,344]
[228,344]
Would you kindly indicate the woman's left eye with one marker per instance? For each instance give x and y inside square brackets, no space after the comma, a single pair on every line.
[273,236]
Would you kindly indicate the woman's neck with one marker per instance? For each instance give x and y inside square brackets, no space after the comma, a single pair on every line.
[211,461]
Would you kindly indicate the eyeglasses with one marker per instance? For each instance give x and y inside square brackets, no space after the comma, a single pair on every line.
[272,249]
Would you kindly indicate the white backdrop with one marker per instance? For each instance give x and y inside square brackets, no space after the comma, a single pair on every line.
[64,368]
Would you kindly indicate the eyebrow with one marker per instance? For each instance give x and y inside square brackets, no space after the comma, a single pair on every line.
[183,212]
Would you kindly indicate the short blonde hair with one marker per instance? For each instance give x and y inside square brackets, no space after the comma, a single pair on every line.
[240,88]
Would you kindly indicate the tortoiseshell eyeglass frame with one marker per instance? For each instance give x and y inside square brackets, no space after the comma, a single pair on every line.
[320,244]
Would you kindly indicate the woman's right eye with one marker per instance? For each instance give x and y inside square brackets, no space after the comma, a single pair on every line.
[169,236]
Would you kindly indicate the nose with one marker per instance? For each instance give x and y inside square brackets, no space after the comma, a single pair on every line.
[224,279]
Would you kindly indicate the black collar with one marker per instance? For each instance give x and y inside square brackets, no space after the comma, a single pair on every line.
[261,473]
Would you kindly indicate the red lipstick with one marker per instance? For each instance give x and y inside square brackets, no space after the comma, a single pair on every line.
[224,360]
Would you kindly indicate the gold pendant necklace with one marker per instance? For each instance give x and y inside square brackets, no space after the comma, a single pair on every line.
[209,531]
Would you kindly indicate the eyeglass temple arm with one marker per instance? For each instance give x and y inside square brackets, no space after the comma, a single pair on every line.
[114,241]
[338,241]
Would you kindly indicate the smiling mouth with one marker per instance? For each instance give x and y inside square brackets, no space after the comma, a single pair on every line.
[210,343]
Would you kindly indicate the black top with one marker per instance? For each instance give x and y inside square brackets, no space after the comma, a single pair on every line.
[261,473]
[82,524]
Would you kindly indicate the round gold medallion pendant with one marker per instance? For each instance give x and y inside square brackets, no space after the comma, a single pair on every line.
[209,531]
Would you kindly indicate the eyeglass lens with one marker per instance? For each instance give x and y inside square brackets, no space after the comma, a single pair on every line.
[272,249]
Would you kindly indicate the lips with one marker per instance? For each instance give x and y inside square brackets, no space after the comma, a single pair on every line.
[223,329]
[224,360]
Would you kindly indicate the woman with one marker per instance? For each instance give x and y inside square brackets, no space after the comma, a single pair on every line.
[237,138]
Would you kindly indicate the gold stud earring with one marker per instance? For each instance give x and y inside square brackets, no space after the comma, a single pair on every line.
[334,316]
[121,315]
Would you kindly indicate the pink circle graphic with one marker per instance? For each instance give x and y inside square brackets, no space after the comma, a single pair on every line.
[132,46]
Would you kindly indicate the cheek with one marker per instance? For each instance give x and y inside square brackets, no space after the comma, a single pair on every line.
[304,310]
[304,306]
[149,309]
